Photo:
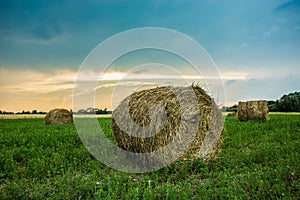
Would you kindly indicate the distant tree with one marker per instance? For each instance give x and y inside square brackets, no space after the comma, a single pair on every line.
[96,111]
[0,111]
[287,103]
[90,110]
[232,108]
[101,112]
[7,112]
[273,106]
[34,112]
[290,102]
[82,111]
[271,102]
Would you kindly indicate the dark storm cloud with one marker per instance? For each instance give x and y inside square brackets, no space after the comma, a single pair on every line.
[42,33]
[295,4]
[47,32]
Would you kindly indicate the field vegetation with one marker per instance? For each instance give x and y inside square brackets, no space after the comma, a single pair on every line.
[259,160]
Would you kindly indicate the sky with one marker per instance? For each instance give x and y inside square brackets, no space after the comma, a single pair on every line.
[255,46]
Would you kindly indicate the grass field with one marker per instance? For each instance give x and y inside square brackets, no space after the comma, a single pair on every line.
[258,161]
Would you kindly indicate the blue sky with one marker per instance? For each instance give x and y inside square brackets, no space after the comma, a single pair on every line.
[42,43]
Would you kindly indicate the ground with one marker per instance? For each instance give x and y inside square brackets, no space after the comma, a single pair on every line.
[259,160]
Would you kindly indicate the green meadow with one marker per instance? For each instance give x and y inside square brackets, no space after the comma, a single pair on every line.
[259,160]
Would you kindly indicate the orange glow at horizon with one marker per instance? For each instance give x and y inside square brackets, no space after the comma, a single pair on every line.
[32,90]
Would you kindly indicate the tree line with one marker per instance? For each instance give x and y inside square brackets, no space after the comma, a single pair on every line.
[96,111]
[23,112]
[287,103]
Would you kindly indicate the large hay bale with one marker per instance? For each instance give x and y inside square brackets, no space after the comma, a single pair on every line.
[253,110]
[180,117]
[231,114]
[59,116]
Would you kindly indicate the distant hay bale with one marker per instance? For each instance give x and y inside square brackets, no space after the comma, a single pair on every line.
[59,116]
[253,110]
[179,113]
[231,114]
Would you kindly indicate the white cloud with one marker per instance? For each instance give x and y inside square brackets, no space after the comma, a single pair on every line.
[261,88]
[267,34]
[296,27]
[39,83]
[244,45]
[273,29]
[35,82]
[133,76]
[42,91]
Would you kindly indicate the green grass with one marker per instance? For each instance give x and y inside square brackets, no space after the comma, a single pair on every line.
[258,161]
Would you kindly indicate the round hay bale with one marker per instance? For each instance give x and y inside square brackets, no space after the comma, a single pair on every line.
[231,114]
[206,117]
[59,116]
